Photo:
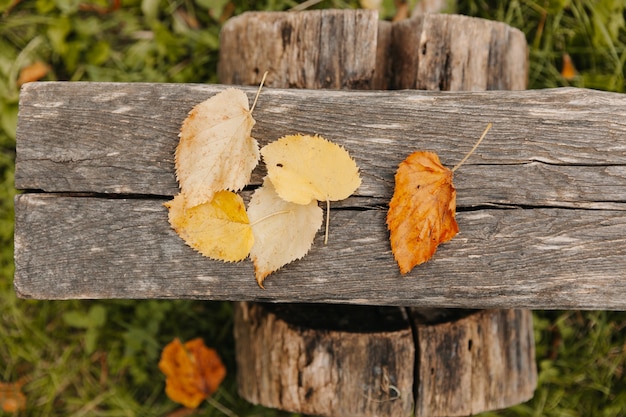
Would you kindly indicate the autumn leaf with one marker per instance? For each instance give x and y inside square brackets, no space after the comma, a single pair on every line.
[218,229]
[568,71]
[216,150]
[283,231]
[193,371]
[304,168]
[216,156]
[33,72]
[12,399]
[423,207]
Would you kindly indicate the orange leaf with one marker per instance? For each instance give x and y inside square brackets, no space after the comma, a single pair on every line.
[33,72]
[568,71]
[422,209]
[12,399]
[193,371]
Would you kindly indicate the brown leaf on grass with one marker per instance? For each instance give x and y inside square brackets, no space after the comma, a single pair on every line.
[12,399]
[194,372]
[422,209]
[33,72]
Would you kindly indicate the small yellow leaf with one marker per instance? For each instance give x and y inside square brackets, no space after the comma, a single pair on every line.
[216,150]
[283,231]
[304,168]
[218,229]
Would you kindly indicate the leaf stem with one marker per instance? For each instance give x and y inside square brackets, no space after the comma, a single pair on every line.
[474,148]
[258,92]
[276,213]
[220,407]
[327,221]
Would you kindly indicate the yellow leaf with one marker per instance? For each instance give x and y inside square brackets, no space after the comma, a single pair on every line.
[216,150]
[304,168]
[283,231]
[218,229]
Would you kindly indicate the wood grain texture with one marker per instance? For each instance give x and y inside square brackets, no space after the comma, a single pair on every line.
[316,49]
[561,148]
[485,361]
[323,372]
[405,51]
[344,48]
[541,258]
[452,53]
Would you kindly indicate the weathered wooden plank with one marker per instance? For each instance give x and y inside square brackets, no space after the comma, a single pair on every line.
[562,147]
[70,247]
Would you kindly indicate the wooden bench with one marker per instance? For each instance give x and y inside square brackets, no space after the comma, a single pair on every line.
[541,205]
[541,210]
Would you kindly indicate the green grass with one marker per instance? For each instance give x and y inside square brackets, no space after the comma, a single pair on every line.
[99,358]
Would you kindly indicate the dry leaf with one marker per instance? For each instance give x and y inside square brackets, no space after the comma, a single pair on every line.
[304,168]
[219,229]
[33,72]
[193,371]
[422,209]
[568,71]
[216,151]
[12,399]
[283,231]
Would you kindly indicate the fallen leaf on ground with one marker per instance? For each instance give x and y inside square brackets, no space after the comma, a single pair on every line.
[283,231]
[218,229]
[12,399]
[304,168]
[193,371]
[216,150]
[33,72]
[568,71]
[422,209]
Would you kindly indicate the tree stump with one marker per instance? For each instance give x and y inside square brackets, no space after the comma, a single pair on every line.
[329,360]
[338,360]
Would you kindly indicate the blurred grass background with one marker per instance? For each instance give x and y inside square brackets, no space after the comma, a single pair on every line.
[99,358]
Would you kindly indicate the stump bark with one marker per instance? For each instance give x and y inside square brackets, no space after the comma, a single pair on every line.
[325,359]
[436,362]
